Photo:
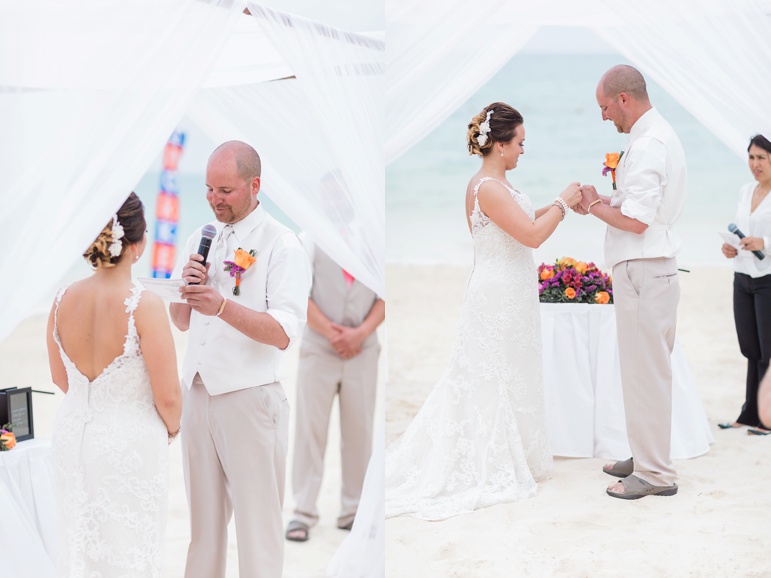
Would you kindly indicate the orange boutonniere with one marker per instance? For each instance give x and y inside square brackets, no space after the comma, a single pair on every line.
[610,164]
[240,263]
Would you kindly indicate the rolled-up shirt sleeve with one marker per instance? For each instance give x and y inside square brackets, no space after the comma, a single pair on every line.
[289,281]
[644,181]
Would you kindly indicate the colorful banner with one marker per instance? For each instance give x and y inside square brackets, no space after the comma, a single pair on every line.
[167,209]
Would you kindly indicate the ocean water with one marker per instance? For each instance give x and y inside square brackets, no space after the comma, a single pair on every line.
[566,141]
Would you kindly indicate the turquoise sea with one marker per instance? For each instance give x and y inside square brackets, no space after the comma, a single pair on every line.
[566,141]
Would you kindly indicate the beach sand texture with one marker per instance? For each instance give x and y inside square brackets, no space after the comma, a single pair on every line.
[715,525]
[24,363]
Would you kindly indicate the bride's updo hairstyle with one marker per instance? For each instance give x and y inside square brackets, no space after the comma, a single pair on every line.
[131,219]
[497,122]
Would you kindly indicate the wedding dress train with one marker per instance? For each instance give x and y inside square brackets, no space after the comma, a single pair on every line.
[480,438]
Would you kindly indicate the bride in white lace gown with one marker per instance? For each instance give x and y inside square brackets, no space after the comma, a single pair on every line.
[111,351]
[480,438]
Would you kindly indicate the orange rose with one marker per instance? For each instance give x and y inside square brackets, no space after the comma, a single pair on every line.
[8,439]
[243,259]
[611,160]
[547,274]
[582,267]
[570,293]
[602,297]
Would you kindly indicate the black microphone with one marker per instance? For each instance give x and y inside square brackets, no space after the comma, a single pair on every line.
[735,230]
[207,234]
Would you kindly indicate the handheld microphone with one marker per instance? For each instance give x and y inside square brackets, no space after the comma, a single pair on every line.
[207,234]
[735,230]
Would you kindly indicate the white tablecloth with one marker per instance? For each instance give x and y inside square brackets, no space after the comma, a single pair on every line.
[28,511]
[582,387]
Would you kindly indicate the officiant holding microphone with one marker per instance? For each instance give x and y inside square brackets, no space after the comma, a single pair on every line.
[752,279]
[244,307]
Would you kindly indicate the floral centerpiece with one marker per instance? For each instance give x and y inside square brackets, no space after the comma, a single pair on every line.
[7,438]
[571,281]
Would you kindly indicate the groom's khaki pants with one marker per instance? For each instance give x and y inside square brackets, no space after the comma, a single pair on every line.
[234,449]
[646,293]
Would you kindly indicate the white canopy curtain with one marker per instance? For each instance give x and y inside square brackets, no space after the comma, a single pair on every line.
[713,56]
[321,133]
[93,99]
[89,92]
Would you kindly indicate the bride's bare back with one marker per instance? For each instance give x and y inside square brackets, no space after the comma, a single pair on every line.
[92,322]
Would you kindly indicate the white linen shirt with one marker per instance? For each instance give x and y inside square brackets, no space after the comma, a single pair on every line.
[652,187]
[757,224]
[277,283]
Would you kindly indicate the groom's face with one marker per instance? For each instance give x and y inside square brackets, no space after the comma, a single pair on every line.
[230,196]
[611,109]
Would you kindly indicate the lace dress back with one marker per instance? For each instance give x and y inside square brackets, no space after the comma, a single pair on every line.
[479,439]
[111,455]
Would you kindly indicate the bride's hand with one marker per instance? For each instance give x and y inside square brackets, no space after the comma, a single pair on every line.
[572,195]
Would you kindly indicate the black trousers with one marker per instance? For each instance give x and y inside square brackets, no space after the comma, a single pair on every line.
[752,314]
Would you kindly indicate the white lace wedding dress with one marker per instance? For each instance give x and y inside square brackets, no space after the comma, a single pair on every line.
[480,438]
[111,455]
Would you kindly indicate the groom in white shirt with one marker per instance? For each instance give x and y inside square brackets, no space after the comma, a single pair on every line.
[640,245]
[235,413]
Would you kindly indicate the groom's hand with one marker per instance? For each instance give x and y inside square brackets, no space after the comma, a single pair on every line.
[577,208]
[202,298]
[195,272]
[588,196]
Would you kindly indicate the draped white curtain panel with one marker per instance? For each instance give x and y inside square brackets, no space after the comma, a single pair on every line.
[91,91]
[714,57]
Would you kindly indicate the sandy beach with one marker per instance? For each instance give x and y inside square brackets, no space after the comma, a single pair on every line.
[715,526]
[24,363]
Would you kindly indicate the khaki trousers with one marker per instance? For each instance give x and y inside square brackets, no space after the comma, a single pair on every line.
[321,377]
[646,293]
[234,448]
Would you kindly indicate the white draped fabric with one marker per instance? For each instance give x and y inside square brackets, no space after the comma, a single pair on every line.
[320,136]
[713,56]
[89,102]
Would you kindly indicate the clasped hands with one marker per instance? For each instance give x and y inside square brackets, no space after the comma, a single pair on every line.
[579,197]
[588,196]
[346,341]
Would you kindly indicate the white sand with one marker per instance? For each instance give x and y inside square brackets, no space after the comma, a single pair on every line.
[715,526]
[24,363]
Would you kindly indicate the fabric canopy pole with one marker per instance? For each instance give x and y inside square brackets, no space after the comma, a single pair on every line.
[90,94]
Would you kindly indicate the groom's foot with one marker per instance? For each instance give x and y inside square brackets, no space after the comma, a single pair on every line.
[620,469]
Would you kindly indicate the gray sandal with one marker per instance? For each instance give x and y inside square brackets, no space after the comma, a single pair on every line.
[620,469]
[635,488]
[297,526]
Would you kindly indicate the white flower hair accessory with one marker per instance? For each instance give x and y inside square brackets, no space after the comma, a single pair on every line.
[484,129]
[117,234]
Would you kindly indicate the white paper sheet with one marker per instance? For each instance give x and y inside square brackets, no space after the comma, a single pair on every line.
[168,289]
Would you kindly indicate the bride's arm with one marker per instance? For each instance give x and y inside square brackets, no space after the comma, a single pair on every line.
[157,345]
[58,372]
[496,202]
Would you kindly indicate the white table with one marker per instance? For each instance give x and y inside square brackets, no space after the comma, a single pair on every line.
[582,388]
[28,511]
